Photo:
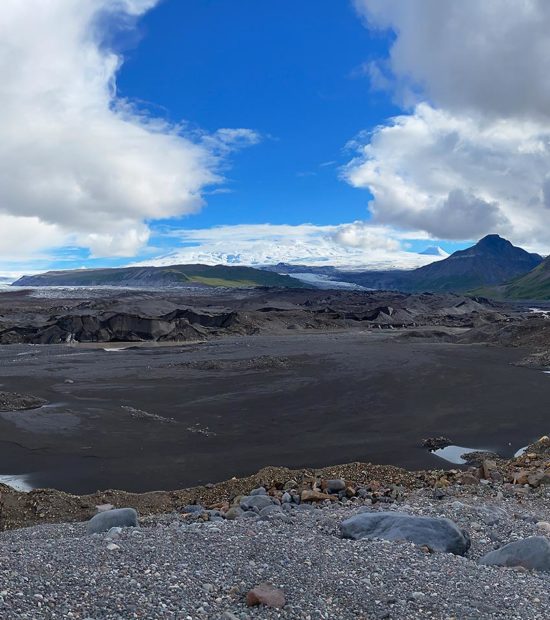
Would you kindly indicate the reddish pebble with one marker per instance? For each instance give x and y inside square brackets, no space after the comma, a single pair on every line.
[265,594]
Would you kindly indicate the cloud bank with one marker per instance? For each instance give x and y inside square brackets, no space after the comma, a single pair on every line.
[78,164]
[471,155]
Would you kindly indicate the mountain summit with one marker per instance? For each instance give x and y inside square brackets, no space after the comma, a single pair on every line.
[492,260]
[434,250]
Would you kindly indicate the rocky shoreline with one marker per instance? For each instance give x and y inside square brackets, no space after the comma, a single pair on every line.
[377,484]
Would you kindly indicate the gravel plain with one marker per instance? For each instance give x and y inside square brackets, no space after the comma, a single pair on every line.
[174,567]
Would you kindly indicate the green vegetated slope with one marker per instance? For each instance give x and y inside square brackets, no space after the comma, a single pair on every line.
[533,285]
[173,275]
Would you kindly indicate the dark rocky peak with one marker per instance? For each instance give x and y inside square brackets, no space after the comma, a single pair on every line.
[495,246]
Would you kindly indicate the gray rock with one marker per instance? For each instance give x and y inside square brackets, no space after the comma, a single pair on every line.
[234,513]
[437,534]
[274,513]
[259,491]
[249,514]
[303,507]
[269,510]
[531,553]
[334,486]
[439,493]
[250,502]
[120,517]
[193,509]
[214,513]
[491,515]
[287,498]
[529,518]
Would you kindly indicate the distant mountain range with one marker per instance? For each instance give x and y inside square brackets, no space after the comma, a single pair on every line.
[491,262]
[492,267]
[172,276]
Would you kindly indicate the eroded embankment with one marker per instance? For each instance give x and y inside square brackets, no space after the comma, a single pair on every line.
[377,483]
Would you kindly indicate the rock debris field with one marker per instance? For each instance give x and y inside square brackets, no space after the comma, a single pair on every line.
[196,565]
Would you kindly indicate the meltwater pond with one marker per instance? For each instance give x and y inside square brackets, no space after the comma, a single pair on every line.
[17,482]
[454,454]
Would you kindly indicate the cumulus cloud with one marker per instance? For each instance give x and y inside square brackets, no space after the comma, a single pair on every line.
[472,154]
[361,235]
[491,55]
[353,245]
[25,236]
[74,157]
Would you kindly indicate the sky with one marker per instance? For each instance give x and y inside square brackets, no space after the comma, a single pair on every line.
[348,132]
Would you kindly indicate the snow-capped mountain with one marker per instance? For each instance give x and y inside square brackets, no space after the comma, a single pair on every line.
[435,250]
[310,251]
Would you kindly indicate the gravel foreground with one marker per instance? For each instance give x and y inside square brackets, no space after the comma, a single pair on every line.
[174,567]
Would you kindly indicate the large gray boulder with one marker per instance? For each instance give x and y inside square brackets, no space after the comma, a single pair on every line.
[259,491]
[120,517]
[437,534]
[531,553]
[252,502]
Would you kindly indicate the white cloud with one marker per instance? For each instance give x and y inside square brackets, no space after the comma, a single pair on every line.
[27,236]
[484,55]
[365,237]
[475,159]
[354,245]
[73,156]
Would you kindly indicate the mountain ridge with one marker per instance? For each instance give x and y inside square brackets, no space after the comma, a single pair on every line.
[172,276]
[490,262]
[492,266]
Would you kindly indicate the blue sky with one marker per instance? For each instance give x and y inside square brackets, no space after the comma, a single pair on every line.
[259,131]
[289,70]
[293,72]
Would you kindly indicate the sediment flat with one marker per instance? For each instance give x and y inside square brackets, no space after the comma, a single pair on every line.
[160,418]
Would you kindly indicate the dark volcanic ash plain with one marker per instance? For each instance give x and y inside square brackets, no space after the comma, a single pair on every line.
[152,390]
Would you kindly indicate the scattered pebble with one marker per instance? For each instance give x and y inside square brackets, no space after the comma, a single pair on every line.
[184,567]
